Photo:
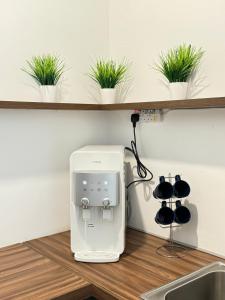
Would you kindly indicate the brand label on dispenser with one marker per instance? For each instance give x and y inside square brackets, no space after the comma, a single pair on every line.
[97,187]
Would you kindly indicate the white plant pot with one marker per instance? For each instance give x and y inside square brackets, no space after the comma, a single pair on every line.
[108,96]
[178,90]
[48,93]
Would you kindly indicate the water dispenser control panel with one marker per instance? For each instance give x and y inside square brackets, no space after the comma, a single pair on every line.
[97,189]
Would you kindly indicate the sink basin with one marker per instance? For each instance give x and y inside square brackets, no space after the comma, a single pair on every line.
[207,287]
[207,283]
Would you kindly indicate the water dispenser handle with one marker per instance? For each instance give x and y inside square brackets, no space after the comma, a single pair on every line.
[85,202]
[106,202]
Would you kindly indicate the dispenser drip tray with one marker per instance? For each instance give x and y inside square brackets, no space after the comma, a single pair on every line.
[97,256]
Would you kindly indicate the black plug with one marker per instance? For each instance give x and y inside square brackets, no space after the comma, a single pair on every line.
[134,119]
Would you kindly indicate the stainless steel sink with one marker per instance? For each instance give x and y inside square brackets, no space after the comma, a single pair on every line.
[207,283]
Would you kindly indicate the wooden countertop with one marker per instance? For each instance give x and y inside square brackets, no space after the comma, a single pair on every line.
[26,274]
[45,269]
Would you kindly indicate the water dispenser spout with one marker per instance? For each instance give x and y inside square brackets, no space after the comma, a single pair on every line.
[106,202]
[84,202]
[86,212]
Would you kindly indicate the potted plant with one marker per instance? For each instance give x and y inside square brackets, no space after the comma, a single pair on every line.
[108,74]
[178,65]
[46,70]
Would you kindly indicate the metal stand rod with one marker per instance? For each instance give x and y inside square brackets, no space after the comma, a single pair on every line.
[171,249]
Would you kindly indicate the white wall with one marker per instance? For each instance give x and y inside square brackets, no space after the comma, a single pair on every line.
[34,169]
[140,30]
[190,142]
[36,145]
[75,30]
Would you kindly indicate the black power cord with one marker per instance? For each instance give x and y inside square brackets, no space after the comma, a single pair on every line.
[142,170]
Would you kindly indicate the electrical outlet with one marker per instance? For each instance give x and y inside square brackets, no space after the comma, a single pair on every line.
[150,115]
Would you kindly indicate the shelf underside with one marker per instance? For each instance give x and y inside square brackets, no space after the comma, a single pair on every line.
[173,104]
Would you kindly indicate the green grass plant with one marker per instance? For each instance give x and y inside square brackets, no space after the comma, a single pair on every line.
[108,73]
[179,63]
[45,69]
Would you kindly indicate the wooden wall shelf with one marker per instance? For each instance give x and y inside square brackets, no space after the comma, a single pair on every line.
[175,104]
[47,105]
[172,104]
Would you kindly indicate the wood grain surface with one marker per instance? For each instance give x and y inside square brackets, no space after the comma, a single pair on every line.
[216,102]
[139,270]
[26,274]
[48,105]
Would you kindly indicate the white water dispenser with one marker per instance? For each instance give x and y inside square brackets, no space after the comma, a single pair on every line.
[97,183]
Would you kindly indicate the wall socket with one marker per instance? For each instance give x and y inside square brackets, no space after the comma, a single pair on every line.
[150,115]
